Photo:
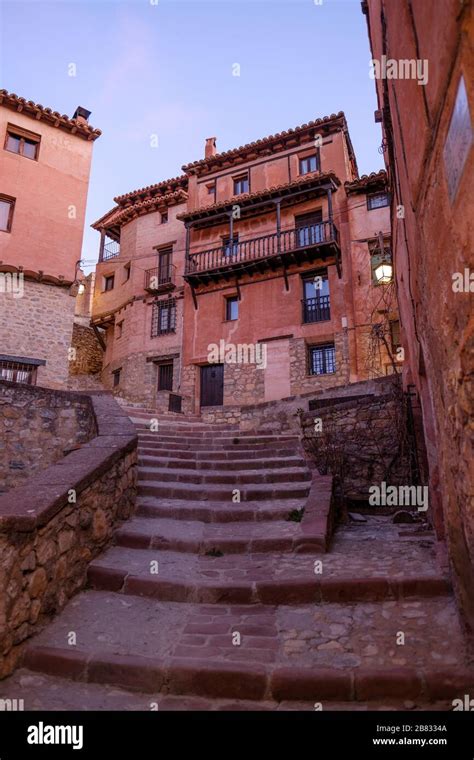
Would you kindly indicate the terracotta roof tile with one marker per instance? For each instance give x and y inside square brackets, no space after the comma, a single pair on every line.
[120,215]
[261,194]
[264,142]
[54,118]
[374,178]
[159,187]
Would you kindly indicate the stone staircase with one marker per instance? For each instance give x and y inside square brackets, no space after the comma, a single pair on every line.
[211,598]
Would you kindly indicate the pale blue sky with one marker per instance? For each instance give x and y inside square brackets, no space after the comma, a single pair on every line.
[166,69]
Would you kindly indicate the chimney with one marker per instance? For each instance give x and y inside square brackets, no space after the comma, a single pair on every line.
[211,149]
[82,115]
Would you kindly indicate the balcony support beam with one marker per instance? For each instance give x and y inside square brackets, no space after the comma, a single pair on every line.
[102,243]
[193,293]
[329,194]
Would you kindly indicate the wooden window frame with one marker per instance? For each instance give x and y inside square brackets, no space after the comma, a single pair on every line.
[228,300]
[22,135]
[314,347]
[160,379]
[239,178]
[374,195]
[11,201]
[164,218]
[106,278]
[308,158]
[116,373]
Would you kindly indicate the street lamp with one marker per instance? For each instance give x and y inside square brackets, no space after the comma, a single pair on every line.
[384,273]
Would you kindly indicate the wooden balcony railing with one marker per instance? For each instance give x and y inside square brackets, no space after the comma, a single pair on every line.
[159,278]
[316,309]
[264,247]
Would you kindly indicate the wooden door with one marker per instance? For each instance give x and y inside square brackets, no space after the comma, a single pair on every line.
[212,385]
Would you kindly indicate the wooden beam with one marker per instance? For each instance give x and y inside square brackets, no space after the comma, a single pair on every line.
[99,337]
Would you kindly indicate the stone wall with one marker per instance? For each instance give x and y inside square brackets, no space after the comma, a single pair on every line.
[37,426]
[39,325]
[58,522]
[281,415]
[302,382]
[89,354]
[361,441]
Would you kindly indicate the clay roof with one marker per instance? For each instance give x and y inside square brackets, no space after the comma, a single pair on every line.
[163,187]
[315,178]
[121,215]
[265,143]
[367,181]
[36,111]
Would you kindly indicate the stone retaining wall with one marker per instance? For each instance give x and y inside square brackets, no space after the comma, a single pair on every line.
[60,520]
[37,426]
[281,416]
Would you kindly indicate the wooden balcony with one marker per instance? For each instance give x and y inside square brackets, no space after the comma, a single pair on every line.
[278,249]
[160,279]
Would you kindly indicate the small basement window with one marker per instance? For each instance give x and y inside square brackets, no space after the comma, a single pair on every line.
[21,371]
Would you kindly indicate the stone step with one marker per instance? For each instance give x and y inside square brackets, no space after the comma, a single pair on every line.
[215,441]
[165,534]
[216,511]
[280,578]
[45,692]
[236,477]
[282,653]
[183,451]
[220,492]
[266,463]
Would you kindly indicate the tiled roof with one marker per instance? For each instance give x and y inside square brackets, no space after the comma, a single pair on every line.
[367,180]
[160,187]
[264,142]
[121,215]
[54,118]
[268,192]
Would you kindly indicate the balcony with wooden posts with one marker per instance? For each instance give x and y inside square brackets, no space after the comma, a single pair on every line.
[280,248]
[313,239]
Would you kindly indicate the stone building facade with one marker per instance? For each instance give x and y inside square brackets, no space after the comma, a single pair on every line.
[45,160]
[289,306]
[430,171]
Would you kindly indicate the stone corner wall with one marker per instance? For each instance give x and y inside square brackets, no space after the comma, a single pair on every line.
[37,426]
[60,520]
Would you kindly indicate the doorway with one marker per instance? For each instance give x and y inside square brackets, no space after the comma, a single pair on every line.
[212,385]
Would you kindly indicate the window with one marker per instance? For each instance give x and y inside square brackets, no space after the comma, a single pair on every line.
[21,141]
[109,282]
[309,228]
[164,217]
[241,184]
[230,250]
[116,377]
[377,200]
[7,206]
[316,305]
[165,377]
[395,335]
[309,164]
[322,359]
[18,372]
[164,266]
[211,189]
[119,329]
[163,319]
[127,269]
[232,308]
